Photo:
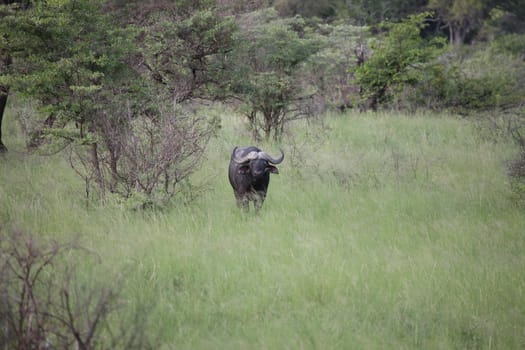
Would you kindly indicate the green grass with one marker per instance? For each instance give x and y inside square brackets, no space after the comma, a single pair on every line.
[381,231]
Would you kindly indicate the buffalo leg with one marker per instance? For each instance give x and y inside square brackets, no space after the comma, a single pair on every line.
[242,202]
[259,200]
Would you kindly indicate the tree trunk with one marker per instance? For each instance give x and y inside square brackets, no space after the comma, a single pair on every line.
[3,102]
[252,117]
[268,124]
[95,162]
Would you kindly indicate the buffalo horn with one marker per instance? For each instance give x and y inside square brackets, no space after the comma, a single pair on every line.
[266,156]
[250,156]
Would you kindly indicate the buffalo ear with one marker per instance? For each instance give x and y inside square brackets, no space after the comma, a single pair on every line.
[272,169]
[244,169]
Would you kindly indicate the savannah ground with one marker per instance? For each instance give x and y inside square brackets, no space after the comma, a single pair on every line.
[381,231]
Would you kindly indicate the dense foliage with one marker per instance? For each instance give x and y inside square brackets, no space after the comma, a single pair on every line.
[398,61]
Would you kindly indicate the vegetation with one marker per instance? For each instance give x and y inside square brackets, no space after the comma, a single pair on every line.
[46,306]
[398,62]
[265,69]
[403,227]
[397,218]
[108,103]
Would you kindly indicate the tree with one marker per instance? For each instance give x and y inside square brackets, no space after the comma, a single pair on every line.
[330,69]
[4,90]
[7,7]
[397,60]
[515,7]
[371,12]
[263,70]
[103,87]
[151,135]
[460,18]
[307,8]
[65,53]
[185,53]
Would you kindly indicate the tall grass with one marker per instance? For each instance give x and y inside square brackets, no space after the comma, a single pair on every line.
[381,231]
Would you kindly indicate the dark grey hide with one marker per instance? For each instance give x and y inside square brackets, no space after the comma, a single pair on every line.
[249,175]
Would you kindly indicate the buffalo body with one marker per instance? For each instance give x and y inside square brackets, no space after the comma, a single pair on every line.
[249,175]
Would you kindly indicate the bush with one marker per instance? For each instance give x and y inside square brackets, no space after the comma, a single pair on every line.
[399,60]
[468,81]
[465,94]
[148,152]
[42,306]
[513,44]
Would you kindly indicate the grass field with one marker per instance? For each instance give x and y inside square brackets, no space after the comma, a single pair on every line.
[382,231]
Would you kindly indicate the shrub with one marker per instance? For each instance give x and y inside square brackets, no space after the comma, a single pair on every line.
[42,306]
[468,81]
[147,152]
[397,61]
[513,44]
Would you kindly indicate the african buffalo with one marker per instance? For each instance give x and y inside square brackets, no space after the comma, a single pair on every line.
[249,175]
